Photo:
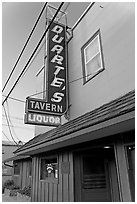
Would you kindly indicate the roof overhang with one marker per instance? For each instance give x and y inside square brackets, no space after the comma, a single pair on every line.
[14,158]
[107,128]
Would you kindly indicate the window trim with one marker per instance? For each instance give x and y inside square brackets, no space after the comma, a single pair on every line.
[83,48]
[49,180]
[17,173]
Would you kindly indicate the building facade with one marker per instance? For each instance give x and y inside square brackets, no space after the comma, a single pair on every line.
[91,157]
[7,151]
[21,170]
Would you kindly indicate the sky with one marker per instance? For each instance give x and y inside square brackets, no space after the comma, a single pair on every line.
[18,19]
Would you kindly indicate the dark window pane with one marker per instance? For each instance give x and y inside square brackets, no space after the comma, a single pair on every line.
[49,168]
[16,168]
[93,173]
[30,168]
[131,169]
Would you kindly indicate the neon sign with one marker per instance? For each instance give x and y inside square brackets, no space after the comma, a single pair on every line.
[57,66]
[42,119]
[48,112]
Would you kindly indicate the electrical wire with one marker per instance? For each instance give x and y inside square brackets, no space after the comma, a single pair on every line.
[25,45]
[33,53]
[15,99]
[62,14]
[41,48]
[32,60]
[17,118]
[67,83]
[6,137]
[15,126]
[9,126]
[10,121]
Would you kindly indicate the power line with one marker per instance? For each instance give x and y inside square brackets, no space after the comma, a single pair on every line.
[67,83]
[15,99]
[25,45]
[10,121]
[9,126]
[6,137]
[33,59]
[17,118]
[40,49]
[18,127]
[33,53]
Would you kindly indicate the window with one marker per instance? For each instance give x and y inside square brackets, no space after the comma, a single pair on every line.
[30,168]
[93,175]
[92,57]
[16,168]
[49,169]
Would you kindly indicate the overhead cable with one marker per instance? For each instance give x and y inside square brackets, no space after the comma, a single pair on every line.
[16,99]
[17,118]
[25,45]
[10,120]
[6,137]
[64,10]
[67,83]
[16,126]
[9,126]
[33,53]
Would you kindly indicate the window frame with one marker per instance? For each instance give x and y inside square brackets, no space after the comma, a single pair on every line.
[83,54]
[130,168]
[17,164]
[48,179]
[30,168]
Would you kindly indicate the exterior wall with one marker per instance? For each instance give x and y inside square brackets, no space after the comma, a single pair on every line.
[116,22]
[62,191]
[7,152]
[23,179]
[127,193]
[6,177]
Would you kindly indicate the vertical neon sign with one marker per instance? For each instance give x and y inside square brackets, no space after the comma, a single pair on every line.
[57,66]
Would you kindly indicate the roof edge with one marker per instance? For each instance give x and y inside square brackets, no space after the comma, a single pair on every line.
[130,109]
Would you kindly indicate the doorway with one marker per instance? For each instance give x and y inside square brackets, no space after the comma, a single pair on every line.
[95,176]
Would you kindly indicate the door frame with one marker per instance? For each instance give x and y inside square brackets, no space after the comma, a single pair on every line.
[113,180]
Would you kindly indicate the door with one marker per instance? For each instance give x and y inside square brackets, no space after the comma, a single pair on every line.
[93,179]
